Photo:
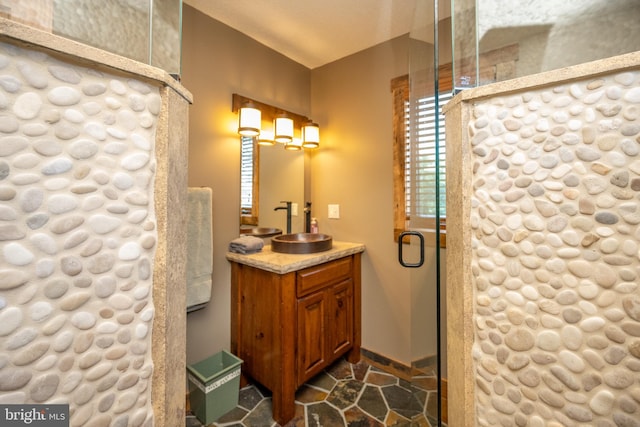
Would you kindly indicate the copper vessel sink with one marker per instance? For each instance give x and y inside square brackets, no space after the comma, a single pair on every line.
[301,243]
[260,231]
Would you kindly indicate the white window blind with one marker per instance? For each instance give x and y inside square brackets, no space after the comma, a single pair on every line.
[420,161]
[246,176]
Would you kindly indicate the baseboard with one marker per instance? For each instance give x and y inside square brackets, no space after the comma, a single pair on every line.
[406,372]
[386,364]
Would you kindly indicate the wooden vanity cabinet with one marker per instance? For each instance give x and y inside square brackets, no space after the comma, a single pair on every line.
[288,327]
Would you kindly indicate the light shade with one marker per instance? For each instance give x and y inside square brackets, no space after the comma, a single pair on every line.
[249,120]
[266,138]
[294,145]
[310,135]
[283,129]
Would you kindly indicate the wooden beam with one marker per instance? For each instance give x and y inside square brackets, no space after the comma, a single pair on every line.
[269,112]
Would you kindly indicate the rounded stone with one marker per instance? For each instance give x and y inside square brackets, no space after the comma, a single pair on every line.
[615,334]
[93,247]
[105,287]
[106,402]
[618,379]
[74,301]
[123,181]
[120,302]
[16,254]
[63,341]
[64,96]
[44,387]
[71,382]
[67,224]
[99,371]
[571,337]
[634,348]
[83,149]
[30,354]
[14,379]
[125,401]
[548,340]
[55,288]
[10,319]
[40,311]
[89,359]
[71,265]
[27,106]
[127,381]
[103,224]
[54,325]
[602,402]
[135,161]
[129,251]
[631,305]
[519,340]
[75,239]
[21,338]
[614,355]
[551,398]
[83,320]
[82,342]
[503,405]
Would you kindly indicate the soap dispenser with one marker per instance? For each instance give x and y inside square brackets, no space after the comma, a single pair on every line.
[314,225]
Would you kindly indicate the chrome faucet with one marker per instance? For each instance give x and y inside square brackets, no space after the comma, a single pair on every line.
[288,208]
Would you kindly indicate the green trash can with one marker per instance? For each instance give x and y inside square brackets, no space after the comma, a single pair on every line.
[214,385]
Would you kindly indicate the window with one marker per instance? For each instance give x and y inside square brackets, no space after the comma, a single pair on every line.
[414,195]
[415,156]
[249,161]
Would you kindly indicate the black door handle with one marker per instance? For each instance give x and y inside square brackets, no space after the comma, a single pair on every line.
[400,256]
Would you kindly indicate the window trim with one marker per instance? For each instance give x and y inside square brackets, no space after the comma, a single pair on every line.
[495,65]
[401,95]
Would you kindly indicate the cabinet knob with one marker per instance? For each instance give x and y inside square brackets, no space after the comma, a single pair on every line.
[340,303]
[260,335]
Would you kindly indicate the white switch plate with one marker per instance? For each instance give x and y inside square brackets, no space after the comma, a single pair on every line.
[294,209]
[334,211]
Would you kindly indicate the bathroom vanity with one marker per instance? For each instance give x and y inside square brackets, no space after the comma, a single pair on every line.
[293,315]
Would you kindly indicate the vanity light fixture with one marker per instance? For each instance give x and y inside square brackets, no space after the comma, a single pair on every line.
[250,120]
[310,135]
[266,138]
[283,129]
[294,145]
[252,113]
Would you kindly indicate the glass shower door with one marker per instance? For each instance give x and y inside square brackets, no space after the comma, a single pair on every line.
[421,247]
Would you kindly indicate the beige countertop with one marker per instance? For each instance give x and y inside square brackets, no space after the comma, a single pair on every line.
[286,263]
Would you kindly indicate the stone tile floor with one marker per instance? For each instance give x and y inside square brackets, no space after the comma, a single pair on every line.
[355,395]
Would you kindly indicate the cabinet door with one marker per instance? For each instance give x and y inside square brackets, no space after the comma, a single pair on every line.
[340,318]
[312,335]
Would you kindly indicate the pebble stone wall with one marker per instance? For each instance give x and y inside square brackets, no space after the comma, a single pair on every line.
[77,238]
[556,223]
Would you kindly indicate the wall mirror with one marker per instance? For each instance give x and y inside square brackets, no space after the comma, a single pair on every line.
[270,175]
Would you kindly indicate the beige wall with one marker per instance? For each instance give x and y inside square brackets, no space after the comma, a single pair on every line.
[351,101]
[217,62]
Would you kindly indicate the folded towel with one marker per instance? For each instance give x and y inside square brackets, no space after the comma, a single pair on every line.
[246,245]
[199,247]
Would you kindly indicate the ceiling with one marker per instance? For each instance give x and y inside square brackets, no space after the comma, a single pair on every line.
[315,32]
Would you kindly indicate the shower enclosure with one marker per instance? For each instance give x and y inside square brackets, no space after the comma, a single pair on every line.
[461,44]
[148,31]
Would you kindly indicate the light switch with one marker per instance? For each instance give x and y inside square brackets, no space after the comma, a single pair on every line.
[334,211]
[294,209]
